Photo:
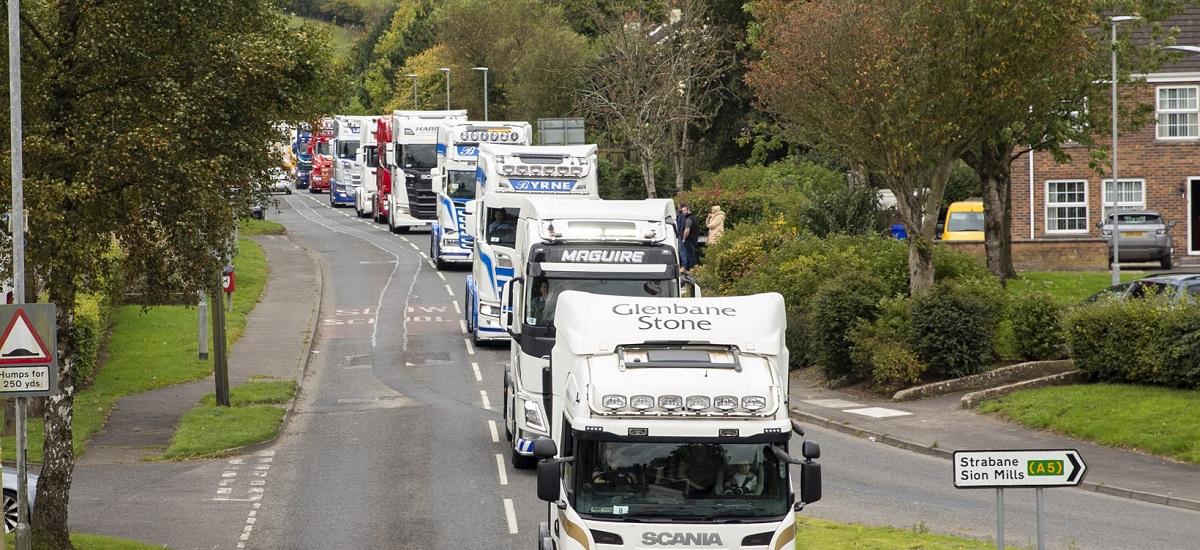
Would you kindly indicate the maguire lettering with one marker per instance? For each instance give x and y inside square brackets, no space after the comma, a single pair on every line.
[690,539]
[604,256]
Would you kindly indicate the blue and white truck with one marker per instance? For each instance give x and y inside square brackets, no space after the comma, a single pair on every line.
[454,182]
[505,176]
[346,169]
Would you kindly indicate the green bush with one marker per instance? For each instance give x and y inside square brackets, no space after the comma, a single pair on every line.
[881,347]
[1145,341]
[1036,321]
[843,210]
[953,326]
[838,305]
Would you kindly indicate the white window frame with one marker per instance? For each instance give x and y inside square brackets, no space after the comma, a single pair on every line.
[1190,110]
[1050,205]
[1128,199]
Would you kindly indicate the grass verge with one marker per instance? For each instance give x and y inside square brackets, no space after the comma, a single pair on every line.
[1154,420]
[1069,287]
[254,416]
[153,349]
[96,542]
[819,534]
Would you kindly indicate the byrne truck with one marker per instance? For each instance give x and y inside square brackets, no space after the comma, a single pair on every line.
[346,169]
[621,248]
[505,176]
[669,426]
[413,153]
[454,182]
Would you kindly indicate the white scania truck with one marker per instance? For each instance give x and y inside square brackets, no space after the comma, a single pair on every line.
[669,426]
[505,176]
[411,155]
[621,248]
[346,169]
[454,182]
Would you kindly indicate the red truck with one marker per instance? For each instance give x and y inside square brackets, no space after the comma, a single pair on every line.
[322,155]
[383,174]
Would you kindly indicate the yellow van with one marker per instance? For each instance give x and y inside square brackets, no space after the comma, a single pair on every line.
[964,221]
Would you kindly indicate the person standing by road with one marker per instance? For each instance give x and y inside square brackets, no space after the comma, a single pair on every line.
[689,235]
[715,223]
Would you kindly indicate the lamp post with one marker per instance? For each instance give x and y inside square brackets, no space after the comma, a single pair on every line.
[414,77]
[447,71]
[1116,234]
[485,90]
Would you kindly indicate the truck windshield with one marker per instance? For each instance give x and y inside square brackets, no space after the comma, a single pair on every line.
[698,481]
[419,156]
[461,184]
[347,148]
[322,148]
[541,295]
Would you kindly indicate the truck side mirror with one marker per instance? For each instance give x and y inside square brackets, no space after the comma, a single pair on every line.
[389,153]
[544,447]
[470,211]
[507,293]
[548,474]
[810,482]
[810,449]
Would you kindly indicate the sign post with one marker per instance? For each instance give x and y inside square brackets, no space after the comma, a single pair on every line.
[1036,469]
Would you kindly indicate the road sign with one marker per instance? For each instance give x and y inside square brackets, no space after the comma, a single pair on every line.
[1025,468]
[28,350]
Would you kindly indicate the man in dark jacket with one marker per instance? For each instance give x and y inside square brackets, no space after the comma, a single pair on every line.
[689,236]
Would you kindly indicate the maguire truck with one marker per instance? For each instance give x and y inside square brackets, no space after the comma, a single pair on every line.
[347,174]
[412,154]
[669,426]
[621,248]
[454,182]
[505,176]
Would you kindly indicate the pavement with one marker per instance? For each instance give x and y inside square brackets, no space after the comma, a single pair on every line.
[278,341]
[275,346]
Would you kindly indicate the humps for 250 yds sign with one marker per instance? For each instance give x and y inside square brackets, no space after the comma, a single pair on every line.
[28,350]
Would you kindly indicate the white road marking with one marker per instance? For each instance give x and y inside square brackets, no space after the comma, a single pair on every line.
[878,412]
[441,276]
[511,514]
[450,292]
[486,404]
[478,376]
[462,323]
[457,310]
[500,466]
[470,348]
[415,247]
[492,428]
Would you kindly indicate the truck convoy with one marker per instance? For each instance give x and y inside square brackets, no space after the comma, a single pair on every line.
[368,165]
[454,182]
[346,171]
[669,426]
[301,157]
[621,248]
[412,154]
[320,149]
[505,176]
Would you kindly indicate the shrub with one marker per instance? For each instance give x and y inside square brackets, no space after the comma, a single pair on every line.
[1036,321]
[843,210]
[881,347]
[1144,341]
[840,304]
[953,326]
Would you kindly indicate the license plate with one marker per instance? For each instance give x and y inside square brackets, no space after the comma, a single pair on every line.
[1133,234]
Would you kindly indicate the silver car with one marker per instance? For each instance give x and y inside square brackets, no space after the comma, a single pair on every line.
[1144,237]
[10,496]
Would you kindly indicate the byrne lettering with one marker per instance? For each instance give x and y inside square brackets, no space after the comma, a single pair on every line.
[689,539]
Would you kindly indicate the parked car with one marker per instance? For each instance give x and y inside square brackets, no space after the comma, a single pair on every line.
[964,221]
[1175,287]
[1145,237]
[10,496]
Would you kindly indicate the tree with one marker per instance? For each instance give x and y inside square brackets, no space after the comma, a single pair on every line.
[147,133]
[652,79]
[906,87]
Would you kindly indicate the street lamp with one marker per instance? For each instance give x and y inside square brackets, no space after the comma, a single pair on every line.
[485,90]
[447,71]
[1116,233]
[414,77]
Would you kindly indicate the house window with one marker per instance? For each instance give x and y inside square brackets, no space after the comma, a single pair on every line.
[1178,112]
[1066,206]
[1131,195]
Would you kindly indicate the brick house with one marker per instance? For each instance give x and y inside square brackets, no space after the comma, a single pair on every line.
[1158,166]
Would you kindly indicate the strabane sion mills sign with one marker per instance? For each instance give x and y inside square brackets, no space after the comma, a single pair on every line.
[1026,468]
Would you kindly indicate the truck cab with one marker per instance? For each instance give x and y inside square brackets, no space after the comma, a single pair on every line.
[413,155]
[347,172]
[669,426]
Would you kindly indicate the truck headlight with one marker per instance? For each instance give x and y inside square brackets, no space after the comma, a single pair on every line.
[613,401]
[754,402]
[533,416]
[489,310]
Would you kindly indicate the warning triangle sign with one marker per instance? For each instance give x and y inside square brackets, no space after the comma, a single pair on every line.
[21,344]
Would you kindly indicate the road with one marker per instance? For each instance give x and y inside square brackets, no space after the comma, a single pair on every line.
[397,440]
